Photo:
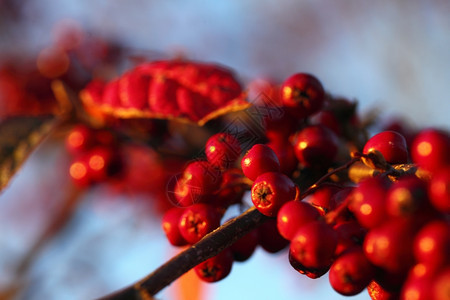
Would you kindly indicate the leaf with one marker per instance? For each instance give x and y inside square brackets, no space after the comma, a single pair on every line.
[182,90]
[19,136]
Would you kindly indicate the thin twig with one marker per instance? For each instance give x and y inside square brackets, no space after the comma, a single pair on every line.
[319,182]
[210,245]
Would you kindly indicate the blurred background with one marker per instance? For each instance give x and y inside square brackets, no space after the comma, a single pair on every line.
[390,56]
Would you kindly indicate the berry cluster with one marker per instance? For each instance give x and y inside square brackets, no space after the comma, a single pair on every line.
[203,192]
[95,153]
[375,217]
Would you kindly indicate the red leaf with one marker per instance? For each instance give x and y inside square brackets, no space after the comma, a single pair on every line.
[182,90]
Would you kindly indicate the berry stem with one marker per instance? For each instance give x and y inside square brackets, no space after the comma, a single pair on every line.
[319,182]
[212,244]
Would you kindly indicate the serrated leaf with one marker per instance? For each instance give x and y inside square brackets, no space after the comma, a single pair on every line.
[181,90]
[19,136]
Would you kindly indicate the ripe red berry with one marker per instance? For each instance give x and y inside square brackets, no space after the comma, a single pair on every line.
[351,272]
[80,139]
[258,160]
[439,190]
[78,172]
[198,180]
[216,267]
[197,221]
[243,248]
[269,237]
[103,163]
[314,245]
[432,243]
[303,94]
[417,289]
[270,191]
[293,215]
[170,222]
[323,198]
[419,282]
[316,146]
[430,149]
[391,144]
[310,272]
[329,119]
[350,234]
[369,201]
[390,282]
[377,292]
[286,155]
[222,150]
[406,197]
[389,245]
[231,189]
[441,285]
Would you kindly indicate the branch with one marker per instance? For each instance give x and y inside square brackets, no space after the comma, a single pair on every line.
[210,245]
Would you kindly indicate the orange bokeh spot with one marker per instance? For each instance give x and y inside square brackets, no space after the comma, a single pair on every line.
[96,162]
[75,139]
[78,170]
[426,244]
[424,149]
[366,209]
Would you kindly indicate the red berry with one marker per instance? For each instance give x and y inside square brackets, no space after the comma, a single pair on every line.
[314,245]
[269,237]
[243,248]
[281,126]
[441,285]
[258,160]
[389,245]
[350,234]
[406,197]
[106,138]
[310,272]
[432,243]
[316,146]
[78,171]
[391,144]
[303,94]
[430,149]
[328,119]
[170,222]
[286,155]
[391,282]
[216,267]
[103,163]
[270,191]
[377,292]
[323,198]
[293,215]
[351,272]
[417,284]
[231,189]
[369,201]
[222,150]
[80,139]
[439,190]
[197,221]
[198,180]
